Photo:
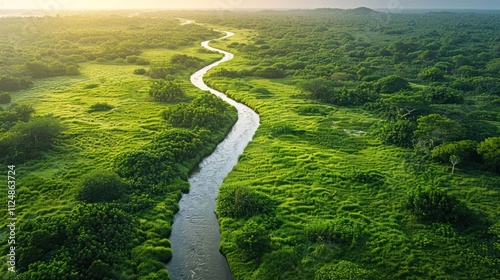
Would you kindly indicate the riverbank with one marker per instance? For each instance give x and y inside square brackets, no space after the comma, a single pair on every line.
[195,234]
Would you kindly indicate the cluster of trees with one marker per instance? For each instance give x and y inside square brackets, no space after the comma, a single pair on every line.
[91,242]
[271,72]
[206,111]
[167,92]
[23,137]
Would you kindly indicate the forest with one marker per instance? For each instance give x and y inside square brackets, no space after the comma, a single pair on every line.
[378,154]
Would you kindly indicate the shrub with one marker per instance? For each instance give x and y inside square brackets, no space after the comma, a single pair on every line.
[489,149]
[100,107]
[25,140]
[260,90]
[141,61]
[432,74]
[140,71]
[90,86]
[120,60]
[253,240]
[206,111]
[279,264]
[132,58]
[72,71]
[241,202]
[5,98]
[101,60]
[342,231]
[434,205]
[11,83]
[168,92]
[101,186]
[398,132]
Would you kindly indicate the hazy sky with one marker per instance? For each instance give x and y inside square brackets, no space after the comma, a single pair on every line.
[239,4]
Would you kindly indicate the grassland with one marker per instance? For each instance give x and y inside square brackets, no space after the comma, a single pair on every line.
[46,187]
[316,165]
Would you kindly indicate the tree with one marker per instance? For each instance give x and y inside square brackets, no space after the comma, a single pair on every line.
[241,202]
[168,92]
[466,150]
[101,186]
[443,95]
[432,74]
[398,132]
[392,84]
[4,98]
[406,104]
[253,239]
[434,205]
[437,129]
[454,161]
[319,88]
[27,139]
[489,149]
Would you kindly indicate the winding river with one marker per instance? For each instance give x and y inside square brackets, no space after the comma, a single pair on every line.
[195,234]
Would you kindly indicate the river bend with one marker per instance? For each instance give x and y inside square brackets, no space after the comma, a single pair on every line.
[195,234]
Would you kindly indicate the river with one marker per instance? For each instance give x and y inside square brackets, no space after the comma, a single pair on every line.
[195,234]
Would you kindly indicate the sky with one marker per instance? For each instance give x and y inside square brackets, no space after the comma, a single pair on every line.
[248,4]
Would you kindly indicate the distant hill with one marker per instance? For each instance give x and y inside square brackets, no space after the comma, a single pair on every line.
[363,11]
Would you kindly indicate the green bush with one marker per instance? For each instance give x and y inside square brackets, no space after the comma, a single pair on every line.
[341,231]
[253,240]
[489,149]
[260,90]
[392,84]
[399,132]
[101,186]
[120,61]
[167,92]
[140,71]
[100,107]
[5,98]
[241,202]
[72,71]
[206,111]
[434,205]
[142,61]
[90,86]
[279,264]
[132,58]
[26,140]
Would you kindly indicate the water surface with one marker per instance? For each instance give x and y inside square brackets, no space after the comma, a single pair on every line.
[195,234]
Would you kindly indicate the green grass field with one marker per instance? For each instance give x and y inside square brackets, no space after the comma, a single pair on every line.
[47,186]
[310,163]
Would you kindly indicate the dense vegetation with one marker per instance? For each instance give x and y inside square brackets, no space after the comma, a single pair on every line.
[377,157]
[100,168]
